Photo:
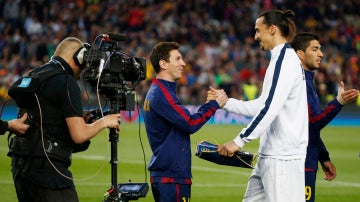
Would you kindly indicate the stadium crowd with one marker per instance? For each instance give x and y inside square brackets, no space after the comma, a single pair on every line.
[217,38]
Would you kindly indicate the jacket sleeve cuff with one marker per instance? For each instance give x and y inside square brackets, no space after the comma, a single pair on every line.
[3,127]
[240,142]
[337,103]
[324,156]
[229,103]
[214,103]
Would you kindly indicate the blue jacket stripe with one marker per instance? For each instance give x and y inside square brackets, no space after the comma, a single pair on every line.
[268,101]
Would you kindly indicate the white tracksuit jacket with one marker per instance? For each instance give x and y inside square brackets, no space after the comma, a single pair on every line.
[280,114]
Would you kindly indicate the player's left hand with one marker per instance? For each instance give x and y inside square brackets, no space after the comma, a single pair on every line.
[19,125]
[346,96]
[329,170]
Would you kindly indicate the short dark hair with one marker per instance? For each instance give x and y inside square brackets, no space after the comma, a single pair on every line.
[282,20]
[302,40]
[161,51]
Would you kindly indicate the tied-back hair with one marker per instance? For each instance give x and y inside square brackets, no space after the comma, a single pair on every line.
[302,40]
[281,19]
[161,51]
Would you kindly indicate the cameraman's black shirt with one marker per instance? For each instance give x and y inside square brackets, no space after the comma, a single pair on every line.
[59,98]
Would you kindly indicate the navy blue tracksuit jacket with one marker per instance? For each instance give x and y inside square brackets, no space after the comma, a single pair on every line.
[318,119]
[169,125]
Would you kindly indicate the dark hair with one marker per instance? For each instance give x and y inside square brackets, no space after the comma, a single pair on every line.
[282,20]
[302,40]
[161,51]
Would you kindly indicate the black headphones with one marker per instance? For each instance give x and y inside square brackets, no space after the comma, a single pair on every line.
[79,55]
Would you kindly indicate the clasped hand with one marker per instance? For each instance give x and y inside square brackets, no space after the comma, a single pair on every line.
[218,95]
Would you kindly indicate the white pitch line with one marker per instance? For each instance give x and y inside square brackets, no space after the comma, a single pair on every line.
[338,184]
[205,169]
[198,168]
[229,185]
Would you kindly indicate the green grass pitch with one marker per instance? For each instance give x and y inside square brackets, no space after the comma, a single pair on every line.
[211,182]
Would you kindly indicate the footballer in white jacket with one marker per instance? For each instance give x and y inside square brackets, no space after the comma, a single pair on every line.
[280,117]
[280,112]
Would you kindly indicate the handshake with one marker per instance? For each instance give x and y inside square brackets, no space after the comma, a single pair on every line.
[218,95]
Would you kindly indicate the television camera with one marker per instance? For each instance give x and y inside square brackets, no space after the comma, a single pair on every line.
[113,71]
[115,74]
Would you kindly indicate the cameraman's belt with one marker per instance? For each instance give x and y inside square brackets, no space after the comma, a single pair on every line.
[170,180]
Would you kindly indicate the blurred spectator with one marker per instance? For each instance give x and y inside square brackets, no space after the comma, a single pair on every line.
[216,39]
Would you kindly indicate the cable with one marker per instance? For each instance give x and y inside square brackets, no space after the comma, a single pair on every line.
[47,156]
[42,134]
[140,139]
[99,102]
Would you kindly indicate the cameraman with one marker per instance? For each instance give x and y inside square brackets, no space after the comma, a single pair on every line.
[57,128]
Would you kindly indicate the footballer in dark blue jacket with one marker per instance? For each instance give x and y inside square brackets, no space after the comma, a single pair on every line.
[307,47]
[169,126]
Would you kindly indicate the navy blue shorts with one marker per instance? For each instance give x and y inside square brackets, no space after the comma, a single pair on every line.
[170,190]
[310,179]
